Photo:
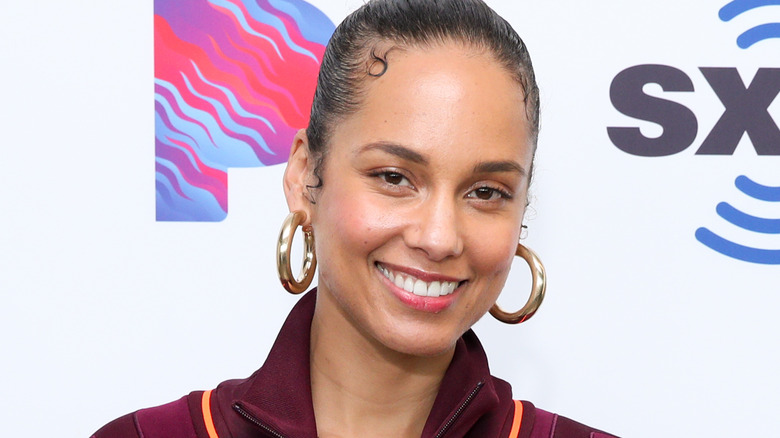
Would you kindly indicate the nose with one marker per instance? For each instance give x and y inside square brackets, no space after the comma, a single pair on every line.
[435,229]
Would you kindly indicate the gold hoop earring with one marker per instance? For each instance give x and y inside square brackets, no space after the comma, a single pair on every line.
[289,282]
[538,288]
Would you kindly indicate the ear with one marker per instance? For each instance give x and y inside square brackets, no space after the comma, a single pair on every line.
[299,174]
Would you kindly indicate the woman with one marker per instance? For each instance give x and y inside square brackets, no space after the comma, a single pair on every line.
[412,176]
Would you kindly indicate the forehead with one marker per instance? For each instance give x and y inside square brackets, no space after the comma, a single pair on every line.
[445,97]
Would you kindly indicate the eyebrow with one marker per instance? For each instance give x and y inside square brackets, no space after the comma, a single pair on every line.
[499,166]
[415,157]
[397,150]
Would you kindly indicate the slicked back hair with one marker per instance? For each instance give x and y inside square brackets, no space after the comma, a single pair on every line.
[353,56]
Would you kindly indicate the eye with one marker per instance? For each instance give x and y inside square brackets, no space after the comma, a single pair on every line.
[393,178]
[486,193]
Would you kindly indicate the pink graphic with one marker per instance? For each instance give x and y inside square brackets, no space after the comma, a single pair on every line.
[234,81]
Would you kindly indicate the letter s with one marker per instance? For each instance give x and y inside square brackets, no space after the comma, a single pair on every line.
[678,122]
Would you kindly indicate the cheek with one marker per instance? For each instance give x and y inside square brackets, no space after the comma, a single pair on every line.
[360,222]
[492,252]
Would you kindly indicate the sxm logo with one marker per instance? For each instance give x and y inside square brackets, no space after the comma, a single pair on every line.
[746,112]
[746,222]
[233,81]
[754,34]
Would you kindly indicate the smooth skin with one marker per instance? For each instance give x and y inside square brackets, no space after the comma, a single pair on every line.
[429,179]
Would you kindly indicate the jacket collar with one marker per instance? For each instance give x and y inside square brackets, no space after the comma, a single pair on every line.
[279,394]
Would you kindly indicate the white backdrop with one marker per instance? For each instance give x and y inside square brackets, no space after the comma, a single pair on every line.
[645,332]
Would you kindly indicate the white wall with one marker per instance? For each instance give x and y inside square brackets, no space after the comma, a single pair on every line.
[645,332]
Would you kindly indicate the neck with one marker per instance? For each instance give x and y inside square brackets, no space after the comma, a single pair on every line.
[362,388]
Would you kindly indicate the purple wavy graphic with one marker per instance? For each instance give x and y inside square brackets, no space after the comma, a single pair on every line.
[233,82]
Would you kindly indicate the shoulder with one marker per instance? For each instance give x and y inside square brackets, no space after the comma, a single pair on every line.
[545,424]
[122,427]
[171,420]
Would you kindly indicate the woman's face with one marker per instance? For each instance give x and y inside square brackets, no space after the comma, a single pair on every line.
[424,190]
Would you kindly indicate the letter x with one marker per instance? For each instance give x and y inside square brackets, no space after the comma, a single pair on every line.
[746,111]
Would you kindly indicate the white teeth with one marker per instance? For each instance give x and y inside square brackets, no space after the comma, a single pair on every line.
[417,286]
[420,288]
[409,285]
[434,290]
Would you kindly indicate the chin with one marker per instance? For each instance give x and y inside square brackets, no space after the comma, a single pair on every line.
[415,344]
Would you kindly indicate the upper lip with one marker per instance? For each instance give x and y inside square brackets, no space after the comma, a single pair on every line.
[419,274]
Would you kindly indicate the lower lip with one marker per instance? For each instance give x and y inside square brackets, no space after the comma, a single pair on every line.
[424,304]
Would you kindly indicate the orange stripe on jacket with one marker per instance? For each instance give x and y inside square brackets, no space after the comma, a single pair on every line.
[517,420]
[206,407]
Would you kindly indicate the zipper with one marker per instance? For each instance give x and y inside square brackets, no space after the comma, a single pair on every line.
[237,407]
[460,410]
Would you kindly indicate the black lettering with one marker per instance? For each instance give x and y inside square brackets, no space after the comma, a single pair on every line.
[746,111]
[678,122]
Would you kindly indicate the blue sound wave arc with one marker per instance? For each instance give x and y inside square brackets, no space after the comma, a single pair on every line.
[746,221]
[737,251]
[758,33]
[737,7]
[756,190]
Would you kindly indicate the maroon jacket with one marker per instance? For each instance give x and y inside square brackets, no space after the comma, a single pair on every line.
[276,401]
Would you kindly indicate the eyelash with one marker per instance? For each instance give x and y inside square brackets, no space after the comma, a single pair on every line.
[383,174]
[503,194]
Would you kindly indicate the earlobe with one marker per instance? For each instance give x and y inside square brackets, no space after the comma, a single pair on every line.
[297,175]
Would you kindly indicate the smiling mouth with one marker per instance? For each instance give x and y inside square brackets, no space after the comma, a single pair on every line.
[416,286]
